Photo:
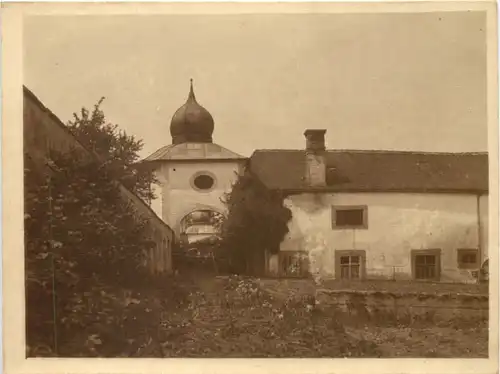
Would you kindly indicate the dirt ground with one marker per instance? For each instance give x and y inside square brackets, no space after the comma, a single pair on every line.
[235,317]
[441,342]
[220,317]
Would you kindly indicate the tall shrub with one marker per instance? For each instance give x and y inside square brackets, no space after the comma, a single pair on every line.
[257,221]
[79,234]
[116,147]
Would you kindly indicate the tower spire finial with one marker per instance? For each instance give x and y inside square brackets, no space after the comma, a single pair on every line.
[191,90]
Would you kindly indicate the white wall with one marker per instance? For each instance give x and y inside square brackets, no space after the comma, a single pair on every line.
[397,223]
[156,204]
[178,198]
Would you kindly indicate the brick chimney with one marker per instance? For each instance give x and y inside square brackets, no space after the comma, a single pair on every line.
[315,158]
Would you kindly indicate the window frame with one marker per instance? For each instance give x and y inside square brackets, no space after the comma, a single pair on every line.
[336,208]
[304,264]
[361,253]
[203,173]
[466,265]
[436,252]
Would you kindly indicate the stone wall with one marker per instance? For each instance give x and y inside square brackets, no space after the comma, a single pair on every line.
[385,302]
[406,308]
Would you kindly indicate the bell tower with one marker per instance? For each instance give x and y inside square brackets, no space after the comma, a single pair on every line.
[193,172]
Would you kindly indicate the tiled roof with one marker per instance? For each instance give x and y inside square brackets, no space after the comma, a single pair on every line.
[193,151]
[376,171]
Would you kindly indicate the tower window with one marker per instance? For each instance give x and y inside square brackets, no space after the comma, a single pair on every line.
[203,181]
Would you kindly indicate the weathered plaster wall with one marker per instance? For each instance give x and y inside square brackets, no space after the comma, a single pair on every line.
[397,223]
[178,197]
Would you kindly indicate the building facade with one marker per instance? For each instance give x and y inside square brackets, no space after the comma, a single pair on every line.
[378,214]
[355,214]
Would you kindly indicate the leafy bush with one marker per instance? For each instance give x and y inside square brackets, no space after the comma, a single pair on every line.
[256,222]
[116,147]
[79,235]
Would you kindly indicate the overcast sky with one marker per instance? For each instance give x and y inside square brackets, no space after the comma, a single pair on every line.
[374,81]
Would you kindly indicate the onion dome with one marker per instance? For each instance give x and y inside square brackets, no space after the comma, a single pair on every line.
[191,123]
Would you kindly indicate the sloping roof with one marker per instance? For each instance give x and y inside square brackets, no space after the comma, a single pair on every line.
[193,151]
[376,171]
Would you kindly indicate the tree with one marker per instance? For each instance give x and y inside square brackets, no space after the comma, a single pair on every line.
[80,235]
[119,150]
[257,221]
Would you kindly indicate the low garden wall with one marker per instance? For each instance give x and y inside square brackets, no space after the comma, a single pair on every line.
[385,307]
[382,303]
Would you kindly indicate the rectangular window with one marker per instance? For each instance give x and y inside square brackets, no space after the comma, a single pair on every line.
[426,264]
[294,263]
[350,264]
[468,258]
[350,217]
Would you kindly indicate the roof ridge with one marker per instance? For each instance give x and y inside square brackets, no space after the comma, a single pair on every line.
[277,150]
[377,151]
[403,152]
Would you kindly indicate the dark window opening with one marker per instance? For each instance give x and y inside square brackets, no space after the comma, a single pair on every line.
[426,265]
[203,182]
[350,217]
[468,258]
[294,264]
[349,267]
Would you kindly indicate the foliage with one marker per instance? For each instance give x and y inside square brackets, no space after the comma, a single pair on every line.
[257,221]
[79,234]
[119,150]
[240,317]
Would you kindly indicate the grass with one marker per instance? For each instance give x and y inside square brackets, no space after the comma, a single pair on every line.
[245,317]
[241,317]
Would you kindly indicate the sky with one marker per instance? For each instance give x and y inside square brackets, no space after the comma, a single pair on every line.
[374,81]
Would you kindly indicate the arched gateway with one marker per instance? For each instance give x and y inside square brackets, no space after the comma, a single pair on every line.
[201,226]
[193,173]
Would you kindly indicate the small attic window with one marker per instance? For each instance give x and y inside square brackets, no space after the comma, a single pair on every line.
[345,217]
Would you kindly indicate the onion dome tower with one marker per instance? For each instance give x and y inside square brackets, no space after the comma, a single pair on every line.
[191,123]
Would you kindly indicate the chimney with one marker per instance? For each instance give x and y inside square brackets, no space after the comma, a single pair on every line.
[315,158]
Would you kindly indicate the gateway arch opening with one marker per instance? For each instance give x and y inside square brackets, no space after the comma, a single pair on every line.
[200,231]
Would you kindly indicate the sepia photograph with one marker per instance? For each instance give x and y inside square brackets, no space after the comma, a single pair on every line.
[258,185]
